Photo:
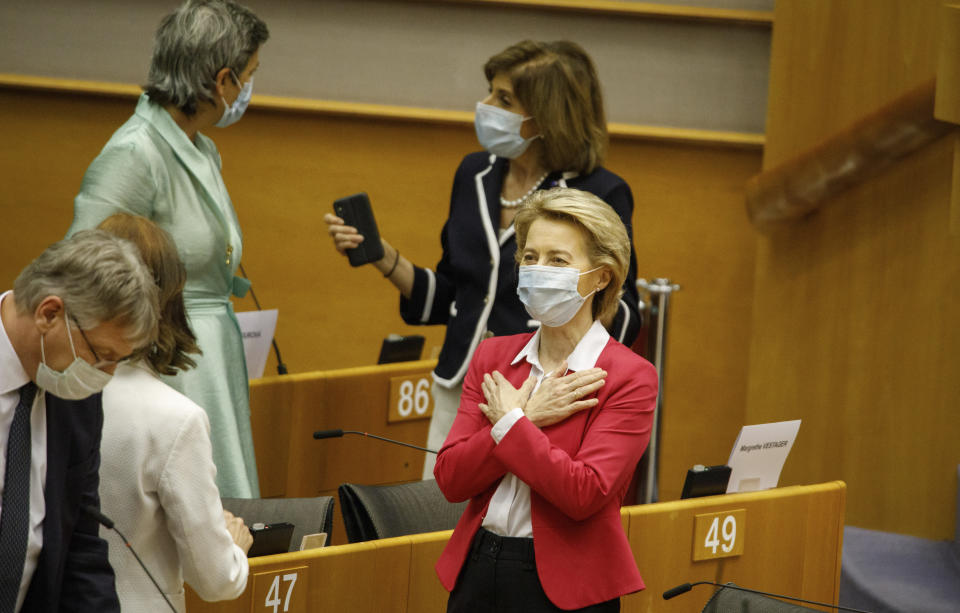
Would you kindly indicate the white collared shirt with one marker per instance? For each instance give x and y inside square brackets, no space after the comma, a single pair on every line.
[12,378]
[509,511]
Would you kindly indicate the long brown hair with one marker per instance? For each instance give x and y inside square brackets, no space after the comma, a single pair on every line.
[175,339]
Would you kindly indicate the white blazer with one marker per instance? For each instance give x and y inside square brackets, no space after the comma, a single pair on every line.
[157,485]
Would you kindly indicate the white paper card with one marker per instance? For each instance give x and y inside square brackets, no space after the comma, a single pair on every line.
[313,541]
[758,455]
[257,328]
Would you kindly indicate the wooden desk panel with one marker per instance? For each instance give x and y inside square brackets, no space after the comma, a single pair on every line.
[793,546]
[271,420]
[793,539]
[368,576]
[426,592]
[286,410]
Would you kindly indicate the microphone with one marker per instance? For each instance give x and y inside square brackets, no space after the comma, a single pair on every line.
[676,591]
[338,433]
[107,523]
[683,588]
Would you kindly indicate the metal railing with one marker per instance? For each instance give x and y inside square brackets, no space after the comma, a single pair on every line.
[655,298]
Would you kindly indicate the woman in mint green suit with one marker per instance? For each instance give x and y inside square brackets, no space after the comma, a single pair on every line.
[160,166]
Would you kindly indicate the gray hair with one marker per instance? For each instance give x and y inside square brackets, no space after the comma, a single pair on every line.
[100,278]
[195,42]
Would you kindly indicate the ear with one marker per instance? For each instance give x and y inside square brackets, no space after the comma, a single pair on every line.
[220,81]
[531,128]
[605,277]
[47,313]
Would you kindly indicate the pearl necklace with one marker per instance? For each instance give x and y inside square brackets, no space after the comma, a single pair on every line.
[512,204]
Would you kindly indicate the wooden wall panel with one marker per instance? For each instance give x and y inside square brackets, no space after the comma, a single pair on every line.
[831,62]
[690,226]
[855,309]
[284,169]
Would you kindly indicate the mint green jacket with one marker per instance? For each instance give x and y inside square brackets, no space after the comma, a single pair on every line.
[150,167]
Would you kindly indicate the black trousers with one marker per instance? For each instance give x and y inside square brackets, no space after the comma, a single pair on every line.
[500,576]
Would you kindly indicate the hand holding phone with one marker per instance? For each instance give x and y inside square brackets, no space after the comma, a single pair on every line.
[355,211]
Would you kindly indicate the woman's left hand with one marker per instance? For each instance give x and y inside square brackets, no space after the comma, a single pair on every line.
[502,397]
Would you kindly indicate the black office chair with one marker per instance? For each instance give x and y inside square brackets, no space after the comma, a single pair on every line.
[383,511]
[308,515]
[734,601]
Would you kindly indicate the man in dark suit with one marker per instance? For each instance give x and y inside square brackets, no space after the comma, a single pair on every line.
[86,303]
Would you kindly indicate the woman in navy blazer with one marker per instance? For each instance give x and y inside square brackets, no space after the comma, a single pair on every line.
[543,126]
[550,428]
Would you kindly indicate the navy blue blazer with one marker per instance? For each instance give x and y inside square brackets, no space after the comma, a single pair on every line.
[473,289]
[73,572]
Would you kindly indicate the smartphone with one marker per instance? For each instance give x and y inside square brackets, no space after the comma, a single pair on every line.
[355,211]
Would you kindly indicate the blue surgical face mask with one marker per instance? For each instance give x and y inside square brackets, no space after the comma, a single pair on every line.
[498,131]
[77,381]
[233,112]
[550,293]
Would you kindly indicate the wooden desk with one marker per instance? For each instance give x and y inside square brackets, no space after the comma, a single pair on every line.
[286,410]
[792,541]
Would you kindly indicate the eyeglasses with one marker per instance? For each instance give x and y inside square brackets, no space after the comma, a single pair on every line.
[101,364]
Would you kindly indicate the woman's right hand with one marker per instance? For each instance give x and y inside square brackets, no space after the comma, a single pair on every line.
[344,236]
[238,530]
[392,265]
[558,398]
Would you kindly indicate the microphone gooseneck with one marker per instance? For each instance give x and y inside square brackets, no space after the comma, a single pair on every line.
[106,522]
[319,434]
[686,587]
[281,367]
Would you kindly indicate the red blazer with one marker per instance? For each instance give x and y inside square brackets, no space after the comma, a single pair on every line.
[578,471]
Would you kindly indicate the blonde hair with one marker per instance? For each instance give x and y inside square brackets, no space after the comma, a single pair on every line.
[175,339]
[604,234]
[557,84]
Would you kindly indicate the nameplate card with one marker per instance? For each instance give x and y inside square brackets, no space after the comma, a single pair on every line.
[759,454]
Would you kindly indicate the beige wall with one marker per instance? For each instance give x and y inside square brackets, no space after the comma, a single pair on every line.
[855,308]
[678,73]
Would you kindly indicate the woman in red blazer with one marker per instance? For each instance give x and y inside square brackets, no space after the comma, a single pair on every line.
[550,428]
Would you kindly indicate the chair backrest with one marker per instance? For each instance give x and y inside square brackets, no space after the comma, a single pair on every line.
[734,601]
[383,511]
[308,515]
